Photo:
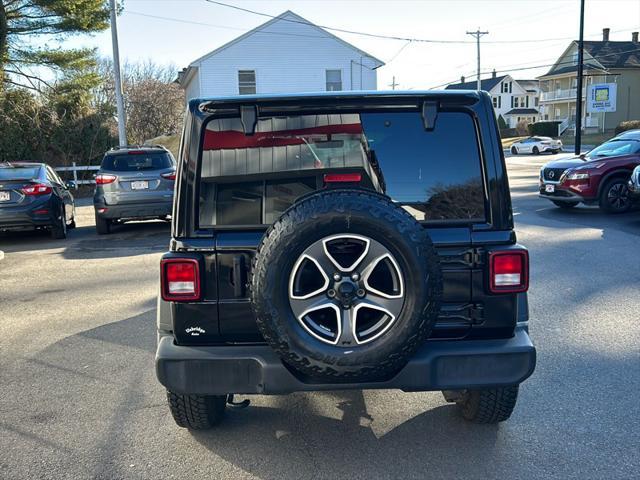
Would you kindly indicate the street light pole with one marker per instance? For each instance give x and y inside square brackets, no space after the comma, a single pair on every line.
[122,132]
[580,72]
[477,34]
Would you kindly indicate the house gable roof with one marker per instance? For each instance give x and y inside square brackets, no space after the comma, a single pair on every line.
[606,55]
[485,84]
[287,16]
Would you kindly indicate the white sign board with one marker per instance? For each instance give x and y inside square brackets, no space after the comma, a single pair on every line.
[601,97]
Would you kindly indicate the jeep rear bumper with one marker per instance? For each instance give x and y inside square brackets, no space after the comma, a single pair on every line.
[256,369]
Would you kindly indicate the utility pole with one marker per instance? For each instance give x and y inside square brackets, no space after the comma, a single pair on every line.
[580,71]
[393,83]
[122,131]
[477,34]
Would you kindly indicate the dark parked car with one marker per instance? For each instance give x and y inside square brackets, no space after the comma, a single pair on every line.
[337,241]
[134,183]
[32,196]
[598,177]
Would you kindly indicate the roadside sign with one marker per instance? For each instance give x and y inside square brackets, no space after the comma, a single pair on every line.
[601,97]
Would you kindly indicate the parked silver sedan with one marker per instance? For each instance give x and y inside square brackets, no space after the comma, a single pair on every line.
[536,145]
[134,183]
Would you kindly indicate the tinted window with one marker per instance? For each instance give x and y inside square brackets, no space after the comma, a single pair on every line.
[239,204]
[253,203]
[435,175]
[19,173]
[281,195]
[131,162]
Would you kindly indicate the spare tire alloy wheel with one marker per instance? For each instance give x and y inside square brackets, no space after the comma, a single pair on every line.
[346,286]
[346,290]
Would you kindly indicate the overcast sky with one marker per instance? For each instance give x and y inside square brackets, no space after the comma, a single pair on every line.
[549,23]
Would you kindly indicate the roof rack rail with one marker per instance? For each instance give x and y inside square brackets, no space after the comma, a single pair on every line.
[127,147]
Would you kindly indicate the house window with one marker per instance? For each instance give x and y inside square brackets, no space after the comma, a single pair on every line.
[334,80]
[537,101]
[495,102]
[246,82]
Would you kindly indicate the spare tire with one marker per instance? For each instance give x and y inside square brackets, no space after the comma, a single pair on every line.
[345,286]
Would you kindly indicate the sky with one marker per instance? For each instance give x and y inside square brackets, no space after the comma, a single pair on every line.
[526,33]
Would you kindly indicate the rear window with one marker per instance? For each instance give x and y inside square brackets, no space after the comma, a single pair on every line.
[436,175]
[19,173]
[136,161]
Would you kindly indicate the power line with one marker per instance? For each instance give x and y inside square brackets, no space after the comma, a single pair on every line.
[375,35]
[532,67]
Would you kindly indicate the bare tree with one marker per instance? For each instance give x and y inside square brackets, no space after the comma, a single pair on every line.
[154,104]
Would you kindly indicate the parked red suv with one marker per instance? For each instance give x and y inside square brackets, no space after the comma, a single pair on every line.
[600,176]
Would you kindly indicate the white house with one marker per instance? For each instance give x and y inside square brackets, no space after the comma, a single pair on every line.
[514,100]
[284,55]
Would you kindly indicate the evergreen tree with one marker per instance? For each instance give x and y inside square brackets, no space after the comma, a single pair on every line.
[30,36]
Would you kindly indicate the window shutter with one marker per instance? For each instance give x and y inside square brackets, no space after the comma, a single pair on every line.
[511,101]
[527,101]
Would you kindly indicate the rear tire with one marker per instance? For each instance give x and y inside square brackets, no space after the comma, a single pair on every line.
[492,405]
[514,151]
[535,151]
[59,228]
[196,412]
[565,205]
[103,225]
[614,197]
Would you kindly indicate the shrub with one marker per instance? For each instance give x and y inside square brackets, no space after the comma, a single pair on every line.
[501,123]
[628,125]
[545,129]
[508,133]
[522,128]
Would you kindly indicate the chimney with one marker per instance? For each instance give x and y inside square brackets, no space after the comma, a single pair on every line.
[634,37]
[605,34]
[462,79]
[493,74]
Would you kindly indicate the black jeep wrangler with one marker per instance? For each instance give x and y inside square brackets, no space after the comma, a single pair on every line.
[343,241]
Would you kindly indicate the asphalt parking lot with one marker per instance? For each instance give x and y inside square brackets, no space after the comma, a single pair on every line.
[79,397]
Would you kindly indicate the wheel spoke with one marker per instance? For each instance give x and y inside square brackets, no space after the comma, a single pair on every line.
[346,331]
[374,254]
[299,306]
[317,253]
[392,306]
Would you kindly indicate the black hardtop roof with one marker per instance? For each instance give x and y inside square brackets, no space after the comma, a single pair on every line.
[467,97]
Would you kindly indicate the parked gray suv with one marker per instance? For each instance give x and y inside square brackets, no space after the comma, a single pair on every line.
[134,183]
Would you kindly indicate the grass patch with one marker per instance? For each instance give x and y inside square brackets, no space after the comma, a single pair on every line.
[507,142]
[170,142]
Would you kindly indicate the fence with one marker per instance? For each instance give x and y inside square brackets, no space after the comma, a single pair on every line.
[75,169]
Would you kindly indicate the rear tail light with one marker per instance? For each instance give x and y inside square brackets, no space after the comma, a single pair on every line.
[342,178]
[169,175]
[509,271]
[180,279]
[41,211]
[104,178]
[37,189]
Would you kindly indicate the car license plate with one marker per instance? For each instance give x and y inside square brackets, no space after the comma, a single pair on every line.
[139,185]
[5,196]
[549,188]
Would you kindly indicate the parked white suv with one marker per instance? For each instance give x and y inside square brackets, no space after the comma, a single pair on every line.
[536,145]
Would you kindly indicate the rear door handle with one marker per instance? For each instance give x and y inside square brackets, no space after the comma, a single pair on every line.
[239,275]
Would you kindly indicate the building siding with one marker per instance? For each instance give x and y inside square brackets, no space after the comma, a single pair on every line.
[287,57]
